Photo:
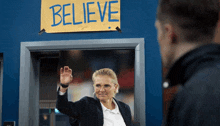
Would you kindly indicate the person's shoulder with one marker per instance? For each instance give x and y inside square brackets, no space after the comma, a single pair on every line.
[199,90]
[122,104]
[88,99]
[205,81]
[205,75]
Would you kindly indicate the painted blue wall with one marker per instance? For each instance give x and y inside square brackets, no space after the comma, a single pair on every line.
[20,22]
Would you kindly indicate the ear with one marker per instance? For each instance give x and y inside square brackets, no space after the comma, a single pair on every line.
[116,88]
[170,33]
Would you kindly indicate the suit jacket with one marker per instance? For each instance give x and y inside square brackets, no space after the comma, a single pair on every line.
[74,122]
[88,110]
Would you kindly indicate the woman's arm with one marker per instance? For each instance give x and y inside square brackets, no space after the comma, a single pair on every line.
[72,109]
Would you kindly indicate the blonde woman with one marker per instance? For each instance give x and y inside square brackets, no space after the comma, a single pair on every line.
[103,110]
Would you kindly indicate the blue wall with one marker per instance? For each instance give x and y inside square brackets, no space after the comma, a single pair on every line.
[20,22]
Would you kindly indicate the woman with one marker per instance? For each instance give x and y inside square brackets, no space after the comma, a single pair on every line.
[103,110]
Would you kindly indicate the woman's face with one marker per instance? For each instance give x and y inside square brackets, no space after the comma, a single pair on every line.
[104,88]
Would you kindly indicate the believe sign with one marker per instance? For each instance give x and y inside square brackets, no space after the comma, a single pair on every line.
[80,15]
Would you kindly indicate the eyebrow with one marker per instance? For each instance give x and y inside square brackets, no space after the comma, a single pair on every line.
[103,84]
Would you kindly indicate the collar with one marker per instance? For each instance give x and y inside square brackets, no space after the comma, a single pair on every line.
[190,63]
[115,111]
[120,107]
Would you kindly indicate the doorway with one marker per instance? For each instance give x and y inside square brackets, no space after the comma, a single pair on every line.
[30,73]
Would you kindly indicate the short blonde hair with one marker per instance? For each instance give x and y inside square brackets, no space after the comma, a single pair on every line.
[109,72]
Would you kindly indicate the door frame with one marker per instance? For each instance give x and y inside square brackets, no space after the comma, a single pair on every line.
[29,73]
[1,84]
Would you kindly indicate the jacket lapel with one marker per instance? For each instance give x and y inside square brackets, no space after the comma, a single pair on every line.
[122,111]
[100,112]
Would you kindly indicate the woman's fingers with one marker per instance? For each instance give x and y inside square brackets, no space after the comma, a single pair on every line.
[70,70]
[61,70]
[65,70]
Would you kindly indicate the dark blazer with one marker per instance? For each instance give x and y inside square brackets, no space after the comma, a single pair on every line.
[88,110]
[74,122]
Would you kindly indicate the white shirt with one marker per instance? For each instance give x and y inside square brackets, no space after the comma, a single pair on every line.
[61,93]
[112,117]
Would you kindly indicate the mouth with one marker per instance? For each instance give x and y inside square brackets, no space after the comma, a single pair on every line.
[102,95]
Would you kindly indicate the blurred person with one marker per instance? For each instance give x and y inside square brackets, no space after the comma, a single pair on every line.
[185,34]
[103,110]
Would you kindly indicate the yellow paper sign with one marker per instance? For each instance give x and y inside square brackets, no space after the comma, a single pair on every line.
[80,15]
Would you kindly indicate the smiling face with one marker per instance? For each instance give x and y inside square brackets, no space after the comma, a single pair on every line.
[104,88]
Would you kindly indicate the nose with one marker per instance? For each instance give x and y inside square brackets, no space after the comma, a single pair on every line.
[102,89]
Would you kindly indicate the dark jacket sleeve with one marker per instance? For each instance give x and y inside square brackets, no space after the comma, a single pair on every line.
[72,109]
[197,103]
[73,121]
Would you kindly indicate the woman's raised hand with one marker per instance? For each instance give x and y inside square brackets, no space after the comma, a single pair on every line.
[65,75]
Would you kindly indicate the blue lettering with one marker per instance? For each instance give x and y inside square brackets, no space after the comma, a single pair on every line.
[75,23]
[64,15]
[84,10]
[102,15]
[112,12]
[89,13]
[57,13]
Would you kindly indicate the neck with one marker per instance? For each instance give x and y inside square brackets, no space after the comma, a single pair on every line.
[184,47]
[109,104]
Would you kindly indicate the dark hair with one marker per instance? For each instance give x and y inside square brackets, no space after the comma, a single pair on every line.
[197,19]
